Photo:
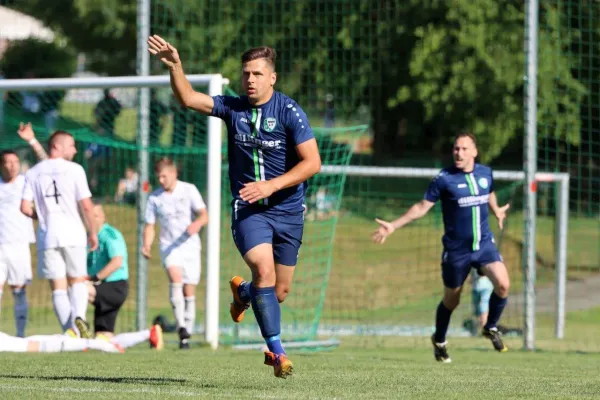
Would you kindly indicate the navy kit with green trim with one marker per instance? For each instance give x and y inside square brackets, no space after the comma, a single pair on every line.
[262,144]
[468,241]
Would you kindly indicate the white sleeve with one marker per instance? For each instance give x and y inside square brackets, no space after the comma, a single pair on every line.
[196,199]
[27,189]
[150,214]
[82,190]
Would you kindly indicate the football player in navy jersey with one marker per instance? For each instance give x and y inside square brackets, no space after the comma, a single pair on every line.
[272,153]
[465,189]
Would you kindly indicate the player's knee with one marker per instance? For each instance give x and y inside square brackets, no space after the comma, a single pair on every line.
[502,288]
[264,275]
[451,300]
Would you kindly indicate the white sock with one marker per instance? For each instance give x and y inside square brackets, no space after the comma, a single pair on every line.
[80,299]
[190,313]
[130,339]
[12,344]
[21,308]
[62,308]
[58,343]
[176,297]
[102,345]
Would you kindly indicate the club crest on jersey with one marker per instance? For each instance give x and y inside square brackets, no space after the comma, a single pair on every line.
[483,182]
[269,124]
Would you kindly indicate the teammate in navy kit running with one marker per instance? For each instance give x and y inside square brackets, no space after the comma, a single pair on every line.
[465,189]
[272,153]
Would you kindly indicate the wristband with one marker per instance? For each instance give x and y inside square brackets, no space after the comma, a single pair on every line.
[33,141]
[95,281]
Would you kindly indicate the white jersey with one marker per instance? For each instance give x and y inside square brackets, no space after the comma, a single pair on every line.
[56,186]
[175,211]
[15,227]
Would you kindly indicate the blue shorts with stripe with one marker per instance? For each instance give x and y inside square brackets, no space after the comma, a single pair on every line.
[457,263]
[256,224]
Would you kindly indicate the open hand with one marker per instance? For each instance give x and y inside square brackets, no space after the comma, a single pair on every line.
[166,53]
[385,229]
[255,191]
[25,131]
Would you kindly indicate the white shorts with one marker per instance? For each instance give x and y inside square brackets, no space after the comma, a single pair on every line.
[15,264]
[62,262]
[188,260]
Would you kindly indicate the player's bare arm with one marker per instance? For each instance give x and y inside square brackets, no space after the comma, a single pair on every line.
[309,165]
[27,209]
[87,210]
[113,265]
[26,133]
[183,90]
[148,239]
[499,212]
[200,221]
[418,210]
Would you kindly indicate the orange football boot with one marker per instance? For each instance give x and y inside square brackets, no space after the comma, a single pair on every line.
[282,366]
[237,308]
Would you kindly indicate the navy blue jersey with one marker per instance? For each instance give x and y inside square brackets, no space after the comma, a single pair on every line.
[262,145]
[464,199]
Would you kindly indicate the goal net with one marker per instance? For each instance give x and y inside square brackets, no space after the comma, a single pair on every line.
[102,115]
[387,293]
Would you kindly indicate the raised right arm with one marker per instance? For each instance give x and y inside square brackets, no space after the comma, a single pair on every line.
[186,95]
[183,90]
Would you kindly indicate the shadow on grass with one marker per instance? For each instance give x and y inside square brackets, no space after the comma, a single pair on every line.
[134,380]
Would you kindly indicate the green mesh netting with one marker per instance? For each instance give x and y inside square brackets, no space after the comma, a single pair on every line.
[104,130]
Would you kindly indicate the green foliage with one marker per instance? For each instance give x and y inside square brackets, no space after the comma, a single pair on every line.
[424,69]
[104,30]
[40,59]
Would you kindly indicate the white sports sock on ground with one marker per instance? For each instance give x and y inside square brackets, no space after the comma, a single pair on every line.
[101,345]
[58,343]
[176,297]
[62,308]
[130,339]
[190,313]
[21,309]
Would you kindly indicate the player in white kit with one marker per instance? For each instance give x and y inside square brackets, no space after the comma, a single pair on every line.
[181,213]
[58,188]
[16,233]
[54,344]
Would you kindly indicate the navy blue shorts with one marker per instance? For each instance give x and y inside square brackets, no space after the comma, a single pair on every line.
[456,264]
[254,225]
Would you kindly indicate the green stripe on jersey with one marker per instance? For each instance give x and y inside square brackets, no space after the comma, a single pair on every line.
[473,211]
[255,150]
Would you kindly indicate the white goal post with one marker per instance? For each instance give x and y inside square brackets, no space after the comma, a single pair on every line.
[215,83]
[562,217]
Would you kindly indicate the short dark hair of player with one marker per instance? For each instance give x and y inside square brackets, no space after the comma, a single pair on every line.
[5,153]
[268,53]
[56,136]
[164,162]
[467,135]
